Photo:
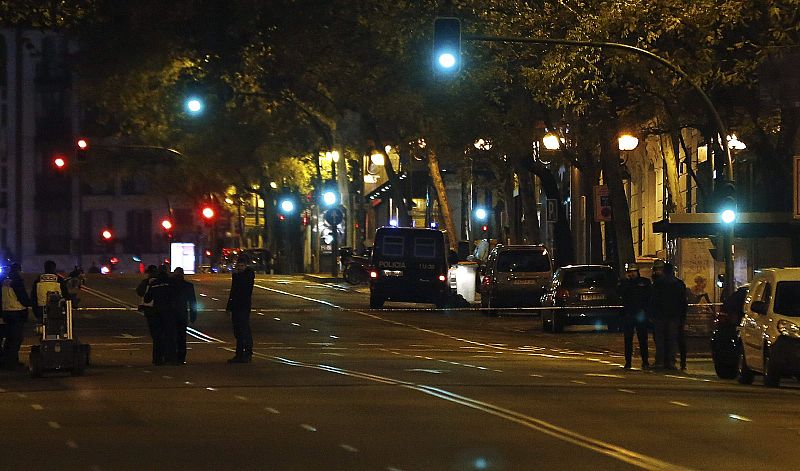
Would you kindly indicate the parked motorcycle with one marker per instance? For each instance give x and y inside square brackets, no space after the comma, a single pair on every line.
[355,268]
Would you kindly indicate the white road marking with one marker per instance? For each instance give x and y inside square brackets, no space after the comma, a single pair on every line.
[277,318]
[214,299]
[167,377]
[310,428]
[313,330]
[203,295]
[241,398]
[577,381]
[54,425]
[627,391]
[536,376]
[370,345]
[425,370]
[146,371]
[679,404]
[333,337]
[37,407]
[22,395]
[129,336]
[333,354]
[211,389]
[188,383]
[272,410]
[739,417]
[602,375]
[2,390]
[295,324]
[349,448]
[72,444]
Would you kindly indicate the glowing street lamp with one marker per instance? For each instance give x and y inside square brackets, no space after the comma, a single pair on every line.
[194,106]
[628,142]
[481,214]
[734,143]
[551,141]
[329,198]
[287,206]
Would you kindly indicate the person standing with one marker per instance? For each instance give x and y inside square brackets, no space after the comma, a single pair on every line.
[161,292]
[185,311]
[239,305]
[656,273]
[635,292]
[668,306]
[47,282]
[15,303]
[150,314]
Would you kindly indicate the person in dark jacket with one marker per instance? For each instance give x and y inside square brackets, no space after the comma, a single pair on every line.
[150,314]
[635,292]
[185,311]
[239,305]
[668,306]
[15,303]
[47,282]
[161,292]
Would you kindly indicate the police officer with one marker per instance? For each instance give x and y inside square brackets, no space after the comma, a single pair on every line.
[635,292]
[185,305]
[150,314]
[15,313]
[47,282]
[656,273]
[161,292]
[239,305]
[668,306]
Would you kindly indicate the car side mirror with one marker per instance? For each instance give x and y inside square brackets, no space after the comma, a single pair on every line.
[759,307]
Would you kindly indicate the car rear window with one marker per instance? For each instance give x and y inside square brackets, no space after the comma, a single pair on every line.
[522,261]
[787,298]
[424,247]
[590,277]
[393,246]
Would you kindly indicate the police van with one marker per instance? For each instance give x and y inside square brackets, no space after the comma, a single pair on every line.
[408,264]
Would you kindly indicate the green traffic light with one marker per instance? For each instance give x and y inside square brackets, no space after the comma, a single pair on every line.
[194,106]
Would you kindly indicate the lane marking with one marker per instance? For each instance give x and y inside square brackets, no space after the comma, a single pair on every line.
[349,448]
[167,377]
[536,375]
[425,370]
[2,390]
[72,444]
[202,336]
[626,391]
[576,381]
[54,425]
[37,407]
[241,398]
[739,417]
[603,375]
[22,395]
[211,389]
[310,428]
[614,451]
[679,404]
[272,410]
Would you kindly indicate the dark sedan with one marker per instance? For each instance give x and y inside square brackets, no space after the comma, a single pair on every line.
[586,294]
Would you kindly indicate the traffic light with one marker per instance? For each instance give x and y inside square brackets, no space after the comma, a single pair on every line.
[59,162]
[330,195]
[82,148]
[725,197]
[106,236]
[446,45]
[194,105]
[82,144]
[209,214]
[166,225]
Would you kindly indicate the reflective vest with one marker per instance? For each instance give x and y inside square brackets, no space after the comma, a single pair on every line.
[10,301]
[48,283]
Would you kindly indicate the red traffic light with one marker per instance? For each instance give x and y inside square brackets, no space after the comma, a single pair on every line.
[484,228]
[83,144]
[59,161]
[208,212]
[106,234]
[166,224]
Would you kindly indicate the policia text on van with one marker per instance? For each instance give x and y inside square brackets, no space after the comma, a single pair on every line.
[410,265]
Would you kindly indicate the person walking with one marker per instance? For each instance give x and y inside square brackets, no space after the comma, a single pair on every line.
[185,311]
[668,306]
[635,292]
[150,314]
[239,305]
[15,304]
[161,292]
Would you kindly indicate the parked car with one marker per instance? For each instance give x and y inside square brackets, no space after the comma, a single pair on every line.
[515,276]
[770,328]
[409,264]
[590,294]
[726,345]
[260,260]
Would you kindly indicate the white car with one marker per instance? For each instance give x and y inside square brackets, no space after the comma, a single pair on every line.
[770,328]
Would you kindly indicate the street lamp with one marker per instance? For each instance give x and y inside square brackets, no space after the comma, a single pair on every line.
[194,106]
[734,143]
[551,141]
[287,206]
[377,159]
[628,142]
[329,198]
[481,214]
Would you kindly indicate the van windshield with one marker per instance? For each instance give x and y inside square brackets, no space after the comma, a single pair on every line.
[523,261]
[787,298]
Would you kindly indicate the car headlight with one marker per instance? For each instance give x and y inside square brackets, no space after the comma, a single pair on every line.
[789,329]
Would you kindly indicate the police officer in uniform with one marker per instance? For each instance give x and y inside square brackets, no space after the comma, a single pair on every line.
[47,282]
[146,308]
[239,305]
[161,292]
[635,292]
[15,304]
[185,311]
[668,306]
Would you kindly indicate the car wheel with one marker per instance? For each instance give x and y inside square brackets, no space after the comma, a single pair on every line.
[772,375]
[376,302]
[557,324]
[726,371]
[35,361]
[745,374]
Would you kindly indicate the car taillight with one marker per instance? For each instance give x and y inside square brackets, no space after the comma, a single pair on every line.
[373,274]
[442,278]
[562,293]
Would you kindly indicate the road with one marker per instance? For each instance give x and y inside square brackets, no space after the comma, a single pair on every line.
[335,386]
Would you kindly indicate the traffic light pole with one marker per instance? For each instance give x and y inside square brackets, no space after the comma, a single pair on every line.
[727,230]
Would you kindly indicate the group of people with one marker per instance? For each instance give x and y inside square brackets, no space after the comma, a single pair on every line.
[169,304]
[15,303]
[662,303]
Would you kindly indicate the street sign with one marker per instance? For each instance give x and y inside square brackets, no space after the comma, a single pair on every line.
[796,185]
[602,204]
[334,216]
[552,210]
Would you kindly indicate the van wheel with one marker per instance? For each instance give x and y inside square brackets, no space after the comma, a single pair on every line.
[745,374]
[772,375]
[376,302]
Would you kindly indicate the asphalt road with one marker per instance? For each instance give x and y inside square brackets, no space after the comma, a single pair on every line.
[336,386]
